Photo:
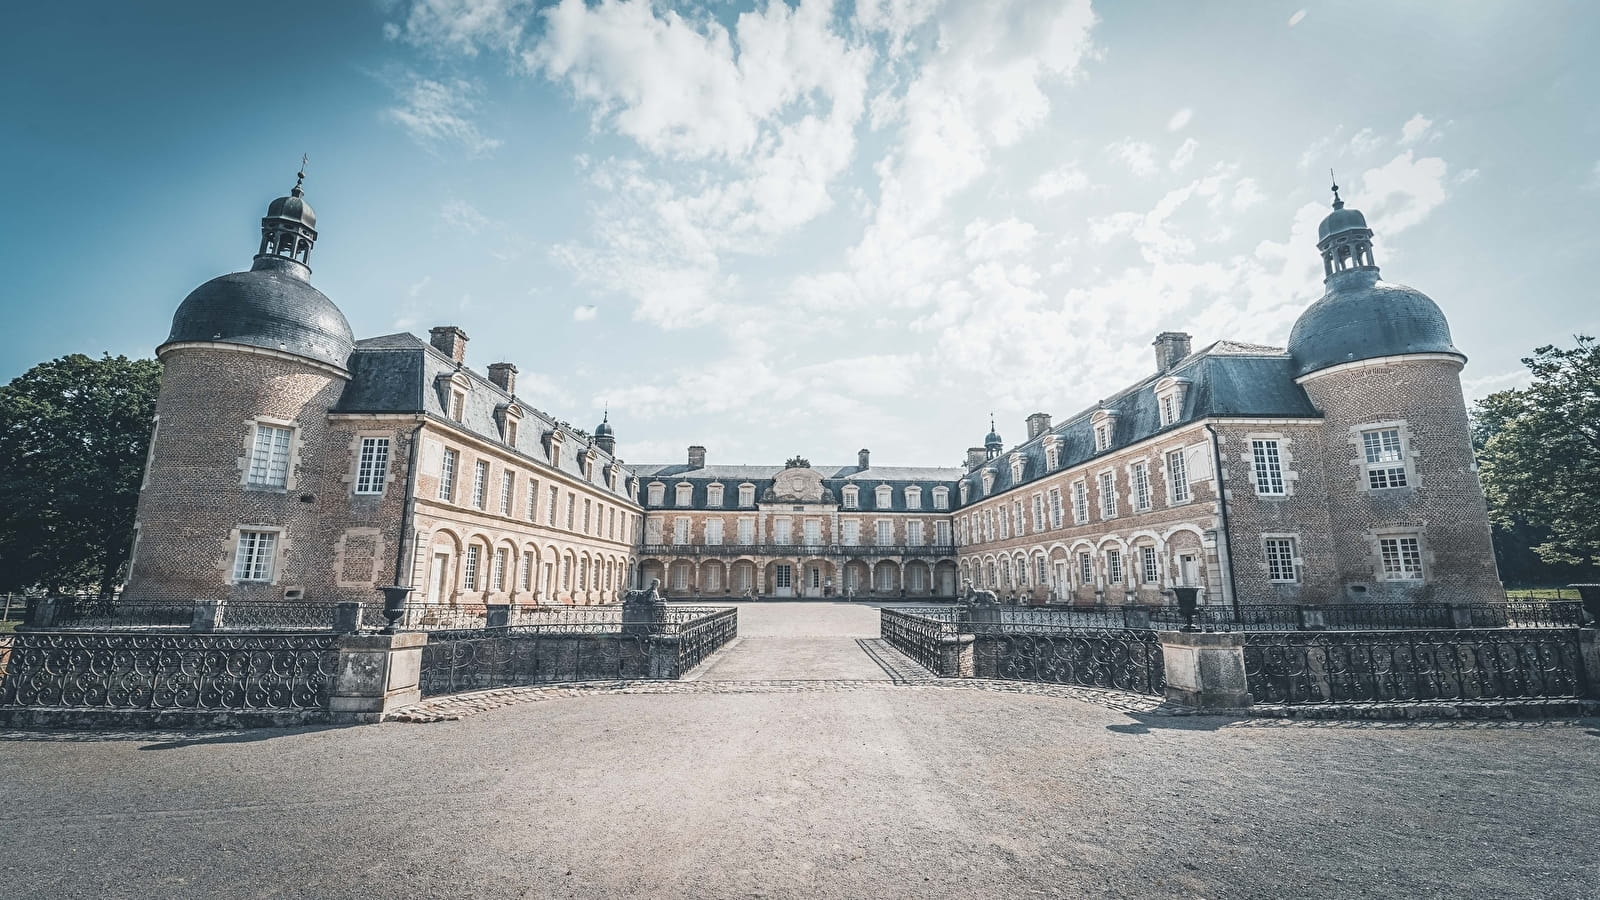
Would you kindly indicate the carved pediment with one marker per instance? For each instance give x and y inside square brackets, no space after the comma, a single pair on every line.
[797,485]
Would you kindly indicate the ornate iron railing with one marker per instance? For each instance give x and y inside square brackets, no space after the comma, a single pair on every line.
[115,612]
[132,670]
[1527,614]
[920,633]
[1121,659]
[284,615]
[1401,666]
[796,550]
[700,632]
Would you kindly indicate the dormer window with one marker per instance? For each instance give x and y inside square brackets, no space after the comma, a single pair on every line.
[964,491]
[555,448]
[1170,395]
[747,495]
[1104,423]
[458,403]
[1016,469]
[913,497]
[509,416]
[884,497]
[852,497]
[683,494]
[988,482]
[1052,456]
[714,495]
[656,493]
[941,498]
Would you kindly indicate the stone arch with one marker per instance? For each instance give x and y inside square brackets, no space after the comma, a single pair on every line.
[819,577]
[743,576]
[918,578]
[508,575]
[713,577]
[680,577]
[886,577]
[946,582]
[857,577]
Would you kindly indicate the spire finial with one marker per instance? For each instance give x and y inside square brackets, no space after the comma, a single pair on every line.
[1337,203]
[300,177]
[991,421]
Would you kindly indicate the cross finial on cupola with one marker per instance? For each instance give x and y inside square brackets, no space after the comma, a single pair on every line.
[1337,203]
[300,178]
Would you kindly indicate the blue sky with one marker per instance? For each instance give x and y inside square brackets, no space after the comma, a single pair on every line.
[809,227]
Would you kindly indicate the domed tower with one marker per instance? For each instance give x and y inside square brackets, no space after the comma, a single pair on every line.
[235,483]
[604,437]
[1408,514]
[992,444]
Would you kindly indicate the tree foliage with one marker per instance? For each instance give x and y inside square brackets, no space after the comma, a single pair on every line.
[1539,450]
[73,436]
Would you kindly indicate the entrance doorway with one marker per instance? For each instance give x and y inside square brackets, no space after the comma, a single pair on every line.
[783,580]
[439,584]
[1189,572]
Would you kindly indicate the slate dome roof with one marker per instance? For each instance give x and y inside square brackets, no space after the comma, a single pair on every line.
[271,306]
[1361,317]
[1341,219]
[293,207]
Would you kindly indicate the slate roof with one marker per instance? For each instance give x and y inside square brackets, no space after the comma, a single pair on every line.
[1227,379]
[271,306]
[834,479]
[401,373]
[1361,317]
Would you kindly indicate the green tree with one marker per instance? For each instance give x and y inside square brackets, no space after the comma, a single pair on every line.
[73,437]
[1540,453]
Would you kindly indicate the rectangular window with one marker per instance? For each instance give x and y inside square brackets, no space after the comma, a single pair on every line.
[269,457]
[1085,570]
[914,533]
[1141,486]
[783,577]
[941,533]
[572,510]
[713,531]
[253,558]
[941,499]
[469,568]
[680,531]
[588,515]
[611,523]
[714,495]
[1038,512]
[1280,560]
[1080,502]
[1402,559]
[747,495]
[447,476]
[1005,522]
[782,532]
[852,533]
[652,531]
[511,432]
[1051,458]
[373,469]
[1102,437]
[480,483]
[527,571]
[550,508]
[885,533]
[1385,459]
[747,531]
[1113,567]
[1021,522]
[1147,565]
[497,575]
[1167,414]
[1108,495]
[508,486]
[684,495]
[533,500]
[913,498]
[813,532]
[1177,478]
[851,498]
[1055,507]
[458,402]
[654,493]
[1268,467]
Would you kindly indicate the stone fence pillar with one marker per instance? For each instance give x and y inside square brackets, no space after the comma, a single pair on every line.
[1205,670]
[377,673]
[497,615]
[42,612]
[346,617]
[208,616]
[1312,618]
[956,656]
[664,656]
[1460,615]
[1589,659]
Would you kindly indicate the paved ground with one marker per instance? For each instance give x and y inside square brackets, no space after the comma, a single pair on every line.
[831,787]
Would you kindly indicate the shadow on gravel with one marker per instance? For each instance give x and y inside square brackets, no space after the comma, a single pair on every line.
[238,737]
[1144,723]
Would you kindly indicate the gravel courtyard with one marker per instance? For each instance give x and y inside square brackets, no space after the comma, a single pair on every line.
[796,766]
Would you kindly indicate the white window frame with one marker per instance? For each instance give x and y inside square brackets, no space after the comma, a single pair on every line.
[1282,555]
[1114,573]
[883,497]
[469,568]
[1139,474]
[271,456]
[1108,498]
[508,487]
[480,484]
[683,495]
[655,494]
[1038,513]
[256,563]
[883,533]
[497,572]
[1385,467]
[851,497]
[682,530]
[448,463]
[747,531]
[714,495]
[747,495]
[1394,563]
[1266,465]
[914,533]
[1149,565]
[1080,502]
[941,498]
[914,498]
[372,465]
[1055,507]
[1178,489]
[713,532]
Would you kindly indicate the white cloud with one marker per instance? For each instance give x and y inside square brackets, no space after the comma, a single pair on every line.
[1180,119]
[437,114]
[1138,156]
[1184,155]
[1365,141]
[1402,192]
[463,216]
[462,25]
[1246,194]
[1297,18]
[1063,179]
[1594,177]
[585,313]
[1415,129]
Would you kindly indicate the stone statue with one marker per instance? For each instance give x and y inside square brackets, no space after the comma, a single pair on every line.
[650,595]
[973,597]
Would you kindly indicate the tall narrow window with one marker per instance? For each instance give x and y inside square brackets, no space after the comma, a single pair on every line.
[885,533]
[588,507]
[941,498]
[1085,569]
[527,571]
[1113,567]
[1005,522]
[480,483]
[1038,512]
[1021,520]
[852,497]
[1108,495]
[1280,560]
[914,533]
[1051,457]
[941,533]
[550,508]
[1177,478]
[655,494]
[1385,458]
[747,531]
[684,495]
[1055,507]
[1268,467]
[1041,574]
[1148,570]
[747,495]
[508,486]
[372,470]
[511,432]
[469,569]
[782,531]
[713,532]
[572,510]
[1080,502]
[714,495]
[447,475]
[813,532]
[1141,486]
[913,498]
[883,498]
[269,458]
[497,574]
[1402,558]
[680,530]
[253,557]
[851,536]
[533,500]
[458,402]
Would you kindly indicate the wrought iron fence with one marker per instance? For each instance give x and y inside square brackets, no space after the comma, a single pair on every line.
[1284,617]
[700,632]
[529,655]
[274,615]
[1399,666]
[115,612]
[132,670]
[1527,614]
[1125,659]
[919,632]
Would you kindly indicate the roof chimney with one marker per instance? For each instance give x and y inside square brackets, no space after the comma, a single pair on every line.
[697,457]
[861,460]
[976,456]
[1171,346]
[450,340]
[1038,424]
[504,375]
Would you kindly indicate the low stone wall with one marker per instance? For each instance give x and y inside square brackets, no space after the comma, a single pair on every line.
[1119,659]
